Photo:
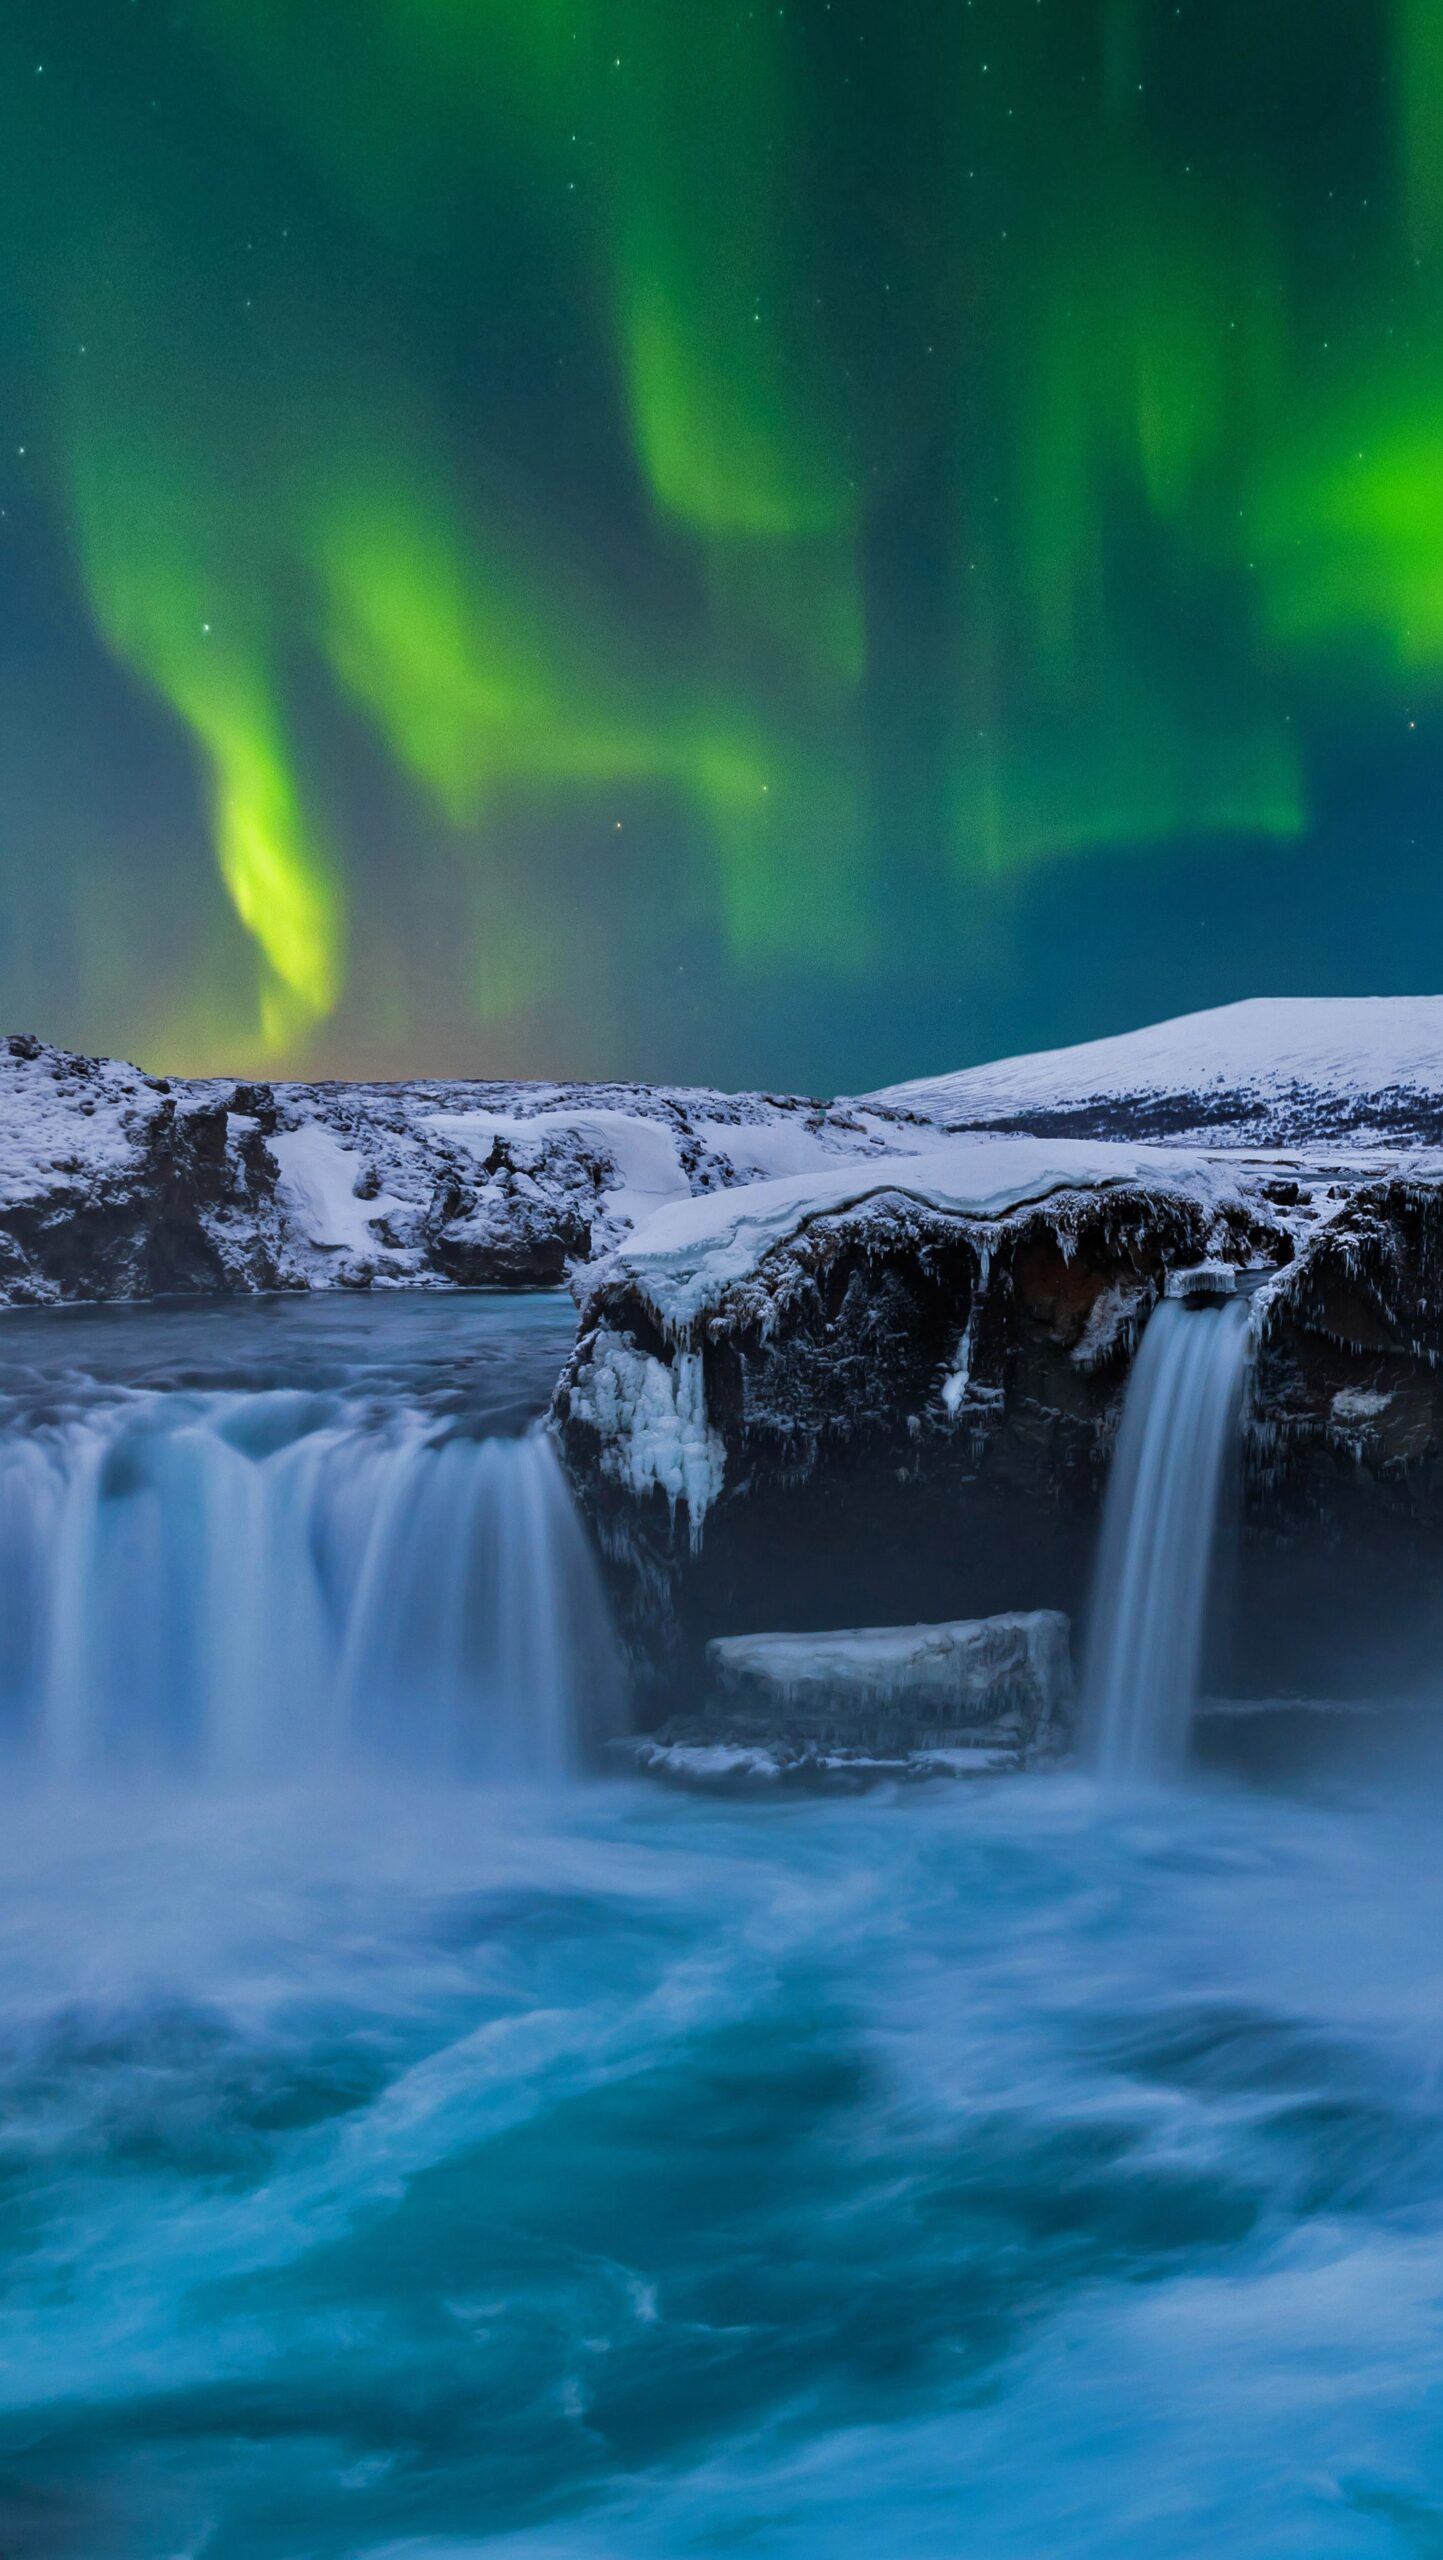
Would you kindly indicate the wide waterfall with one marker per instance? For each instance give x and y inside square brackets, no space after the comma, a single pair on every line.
[279,1561]
[1159,1533]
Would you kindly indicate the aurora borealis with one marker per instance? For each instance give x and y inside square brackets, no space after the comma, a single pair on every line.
[793,543]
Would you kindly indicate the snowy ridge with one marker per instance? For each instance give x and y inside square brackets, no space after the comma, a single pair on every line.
[1284,1070]
[114,1183]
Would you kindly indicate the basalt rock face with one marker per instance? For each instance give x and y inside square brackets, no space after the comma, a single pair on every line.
[1342,1557]
[909,1417]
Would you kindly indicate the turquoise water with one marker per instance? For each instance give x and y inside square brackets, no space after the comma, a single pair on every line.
[987,2171]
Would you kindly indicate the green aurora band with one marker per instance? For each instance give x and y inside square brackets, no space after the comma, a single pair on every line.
[543,500]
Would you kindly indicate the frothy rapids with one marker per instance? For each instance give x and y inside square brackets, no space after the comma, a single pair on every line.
[273,1558]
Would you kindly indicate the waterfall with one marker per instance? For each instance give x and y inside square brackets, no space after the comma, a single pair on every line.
[1159,1531]
[242,1587]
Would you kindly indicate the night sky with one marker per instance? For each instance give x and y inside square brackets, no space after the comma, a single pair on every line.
[786,544]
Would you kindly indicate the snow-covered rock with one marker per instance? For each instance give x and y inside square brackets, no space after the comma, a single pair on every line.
[695,1255]
[116,1183]
[909,1300]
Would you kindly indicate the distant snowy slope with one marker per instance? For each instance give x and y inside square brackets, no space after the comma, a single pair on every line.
[1284,1069]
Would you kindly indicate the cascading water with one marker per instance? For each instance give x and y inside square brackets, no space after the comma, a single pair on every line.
[249,1582]
[1159,1532]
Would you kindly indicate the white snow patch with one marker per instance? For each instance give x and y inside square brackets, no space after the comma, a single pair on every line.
[725,1766]
[705,1763]
[317,1190]
[765,1150]
[1202,1280]
[68,1127]
[893,1137]
[1359,1404]
[643,1152]
[1111,1320]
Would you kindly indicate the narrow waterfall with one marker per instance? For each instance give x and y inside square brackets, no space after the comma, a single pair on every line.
[1159,1532]
[250,1586]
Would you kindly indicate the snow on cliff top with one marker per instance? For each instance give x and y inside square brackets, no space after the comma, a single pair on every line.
[685,1257]
[66,1124]
[1281,1069]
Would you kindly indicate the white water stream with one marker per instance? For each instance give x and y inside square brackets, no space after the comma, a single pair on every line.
[1159,1536]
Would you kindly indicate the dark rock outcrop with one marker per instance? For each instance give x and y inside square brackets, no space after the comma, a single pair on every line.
[118,1185]
[913,1422]
[907,1416]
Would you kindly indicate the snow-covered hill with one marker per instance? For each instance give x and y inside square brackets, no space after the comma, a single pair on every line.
[1273,1071]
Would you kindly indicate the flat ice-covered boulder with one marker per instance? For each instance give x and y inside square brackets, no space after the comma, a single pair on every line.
[1001,1680]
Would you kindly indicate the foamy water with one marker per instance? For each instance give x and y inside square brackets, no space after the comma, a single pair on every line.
[984,2170]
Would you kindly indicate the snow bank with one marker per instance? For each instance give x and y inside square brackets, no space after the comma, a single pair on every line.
[765,1151]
